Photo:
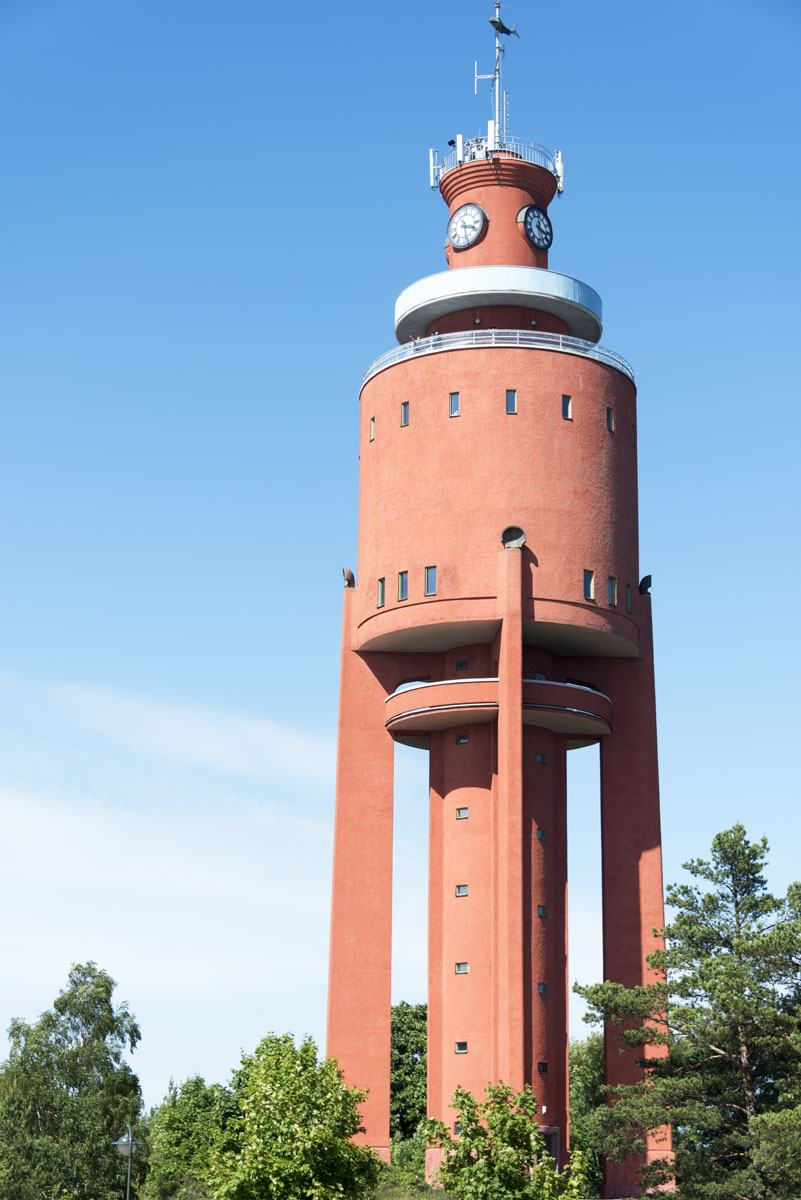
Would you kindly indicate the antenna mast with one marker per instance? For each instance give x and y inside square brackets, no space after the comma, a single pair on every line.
[499,98]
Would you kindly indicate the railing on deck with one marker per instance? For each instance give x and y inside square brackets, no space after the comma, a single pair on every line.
[478,338]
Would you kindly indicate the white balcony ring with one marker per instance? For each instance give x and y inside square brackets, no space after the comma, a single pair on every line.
[423,302]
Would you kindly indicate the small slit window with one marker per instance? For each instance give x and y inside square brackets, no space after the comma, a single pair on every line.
[462,664]
[381,593]
[511,401]
[454,404]
[460,1047]
[542,910]
[567,408]
[541,759]
[461,889]
[405,412]
[462,814]
[372,429]
[431,581]
[611,590]
[542,989]
[542,835]
[628,597]
[589,585]
[462,739]
[461,968]
[610,420]
[542,1067]
[403,585]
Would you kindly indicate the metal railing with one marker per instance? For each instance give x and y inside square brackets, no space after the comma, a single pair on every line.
[479,338]
[478,148]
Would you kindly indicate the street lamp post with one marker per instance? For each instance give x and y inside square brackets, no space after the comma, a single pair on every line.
[126,1146]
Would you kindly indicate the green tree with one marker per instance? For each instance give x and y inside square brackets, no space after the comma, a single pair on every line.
[587,1096]
[499,1152]
[66,1093]
[732,1030]
[407,1068]
[290,1137]
[182,1133]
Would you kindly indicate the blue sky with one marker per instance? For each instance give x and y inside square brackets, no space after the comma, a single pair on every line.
[206,213]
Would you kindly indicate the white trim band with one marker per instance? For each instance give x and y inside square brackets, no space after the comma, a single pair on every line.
[574,302]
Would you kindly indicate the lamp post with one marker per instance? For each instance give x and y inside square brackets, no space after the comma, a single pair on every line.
[126,1146]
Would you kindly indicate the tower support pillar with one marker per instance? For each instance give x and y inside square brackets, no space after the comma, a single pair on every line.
[632,868]
[361,909]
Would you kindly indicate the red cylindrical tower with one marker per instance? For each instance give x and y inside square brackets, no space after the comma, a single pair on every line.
[497,621]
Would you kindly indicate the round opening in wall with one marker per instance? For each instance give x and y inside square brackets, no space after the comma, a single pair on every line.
[513,537]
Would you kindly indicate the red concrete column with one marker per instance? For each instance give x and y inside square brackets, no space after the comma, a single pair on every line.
[510,1064]
[361,909]
[461,927]
[436,898]
[545,837]
[632,862]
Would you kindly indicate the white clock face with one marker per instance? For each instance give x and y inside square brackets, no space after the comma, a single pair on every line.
[465,226]
[537,225]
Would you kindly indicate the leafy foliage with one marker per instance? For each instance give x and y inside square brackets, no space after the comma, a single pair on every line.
[732,960]
[587,1097]
[182,1132]
[408,1069]
[290,1135]
[407,1167]
[499,1151]
[66,1094]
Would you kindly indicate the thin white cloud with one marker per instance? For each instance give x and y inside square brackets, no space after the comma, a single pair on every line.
[214,739]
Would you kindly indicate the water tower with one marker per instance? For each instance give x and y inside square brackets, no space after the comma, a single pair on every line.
[497,620]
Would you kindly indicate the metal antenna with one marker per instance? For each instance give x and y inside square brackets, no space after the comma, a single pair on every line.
[499,98]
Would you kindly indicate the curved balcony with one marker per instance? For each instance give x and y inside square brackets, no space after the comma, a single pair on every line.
[522,338]
[435,296]
[580,714]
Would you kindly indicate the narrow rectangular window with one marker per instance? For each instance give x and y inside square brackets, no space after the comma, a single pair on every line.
[453,404]
[611,590]
[589,585]
[628,597]
[462,968]
[542,911]
[460,1048]
[431,581]
[403,585]
[381,593]
[610,420]
[462,739]
[567,408]
[462,814]
[457,1128]
[405,412]
[542,989]
[541,759]
[542,836]
[372,429]
[462,664]
[511,401]
[461,889]
[542,1067]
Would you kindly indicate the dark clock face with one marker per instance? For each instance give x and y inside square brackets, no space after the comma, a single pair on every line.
[538,228]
